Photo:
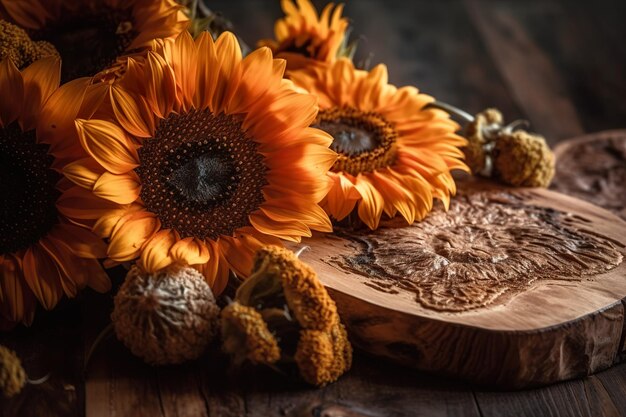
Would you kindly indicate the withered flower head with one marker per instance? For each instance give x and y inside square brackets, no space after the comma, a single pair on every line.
[288,301]
[19,48]
[12,375]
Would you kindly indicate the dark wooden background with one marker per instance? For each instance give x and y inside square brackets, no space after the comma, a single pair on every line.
[559,64]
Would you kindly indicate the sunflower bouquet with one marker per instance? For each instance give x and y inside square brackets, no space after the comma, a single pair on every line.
[130,135]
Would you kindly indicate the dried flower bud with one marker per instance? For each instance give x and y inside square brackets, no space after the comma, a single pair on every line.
[167,317]
[17,46]
[298,314]
[12,375]
[523,160]
[515,157]
[322,357]
[245,336]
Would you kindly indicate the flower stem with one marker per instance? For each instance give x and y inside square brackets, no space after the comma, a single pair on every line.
[462,114]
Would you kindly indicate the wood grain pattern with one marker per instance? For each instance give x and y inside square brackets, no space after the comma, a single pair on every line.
[547,314]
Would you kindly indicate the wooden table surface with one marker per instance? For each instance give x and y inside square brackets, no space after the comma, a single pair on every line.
[559,64]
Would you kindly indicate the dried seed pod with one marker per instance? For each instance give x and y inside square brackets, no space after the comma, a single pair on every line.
[17,46]
[282,315]
[167,317]
[522,159]
[245,336]
[12,375]
[515,157]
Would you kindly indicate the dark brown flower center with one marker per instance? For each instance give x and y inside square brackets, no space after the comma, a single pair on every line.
[201,174]
[305,49]
[28,189]
[89,41]
[364,141]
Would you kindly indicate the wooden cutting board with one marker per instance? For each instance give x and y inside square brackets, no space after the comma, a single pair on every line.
[510,288]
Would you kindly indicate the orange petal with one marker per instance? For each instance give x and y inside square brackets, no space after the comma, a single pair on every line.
[109,220]
[298,209]
[107,144]
[292,231]
[206,80]
[228,54]
[155,254]
[84,172]
[160,85]
[41,79]
[18,302]
[342,198]
[121,189]
[80,241]
[12,87]
[128,239]
[56,121]
[190,251]
[372,202]
[128,112]
[78,203]
[216,271]
[185,64]
[42,276]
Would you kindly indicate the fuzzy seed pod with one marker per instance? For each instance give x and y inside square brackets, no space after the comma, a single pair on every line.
[167,317]
[515,157]
[245,336]
[17,46]
[523,160]
[12,375]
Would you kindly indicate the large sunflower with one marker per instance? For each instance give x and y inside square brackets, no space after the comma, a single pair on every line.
[305,39]
[44,252]
[395,154]
[206,157]
[91,34]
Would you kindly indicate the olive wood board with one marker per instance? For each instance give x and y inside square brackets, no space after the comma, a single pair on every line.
[510,288]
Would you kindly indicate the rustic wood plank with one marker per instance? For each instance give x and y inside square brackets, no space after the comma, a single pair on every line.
[555,401]
[53,345]
[614,381]
[531,75]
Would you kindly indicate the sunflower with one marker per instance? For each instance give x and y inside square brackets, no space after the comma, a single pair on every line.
[44,251]
[91,34]
[395,154]
[206,157]
[305,39]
